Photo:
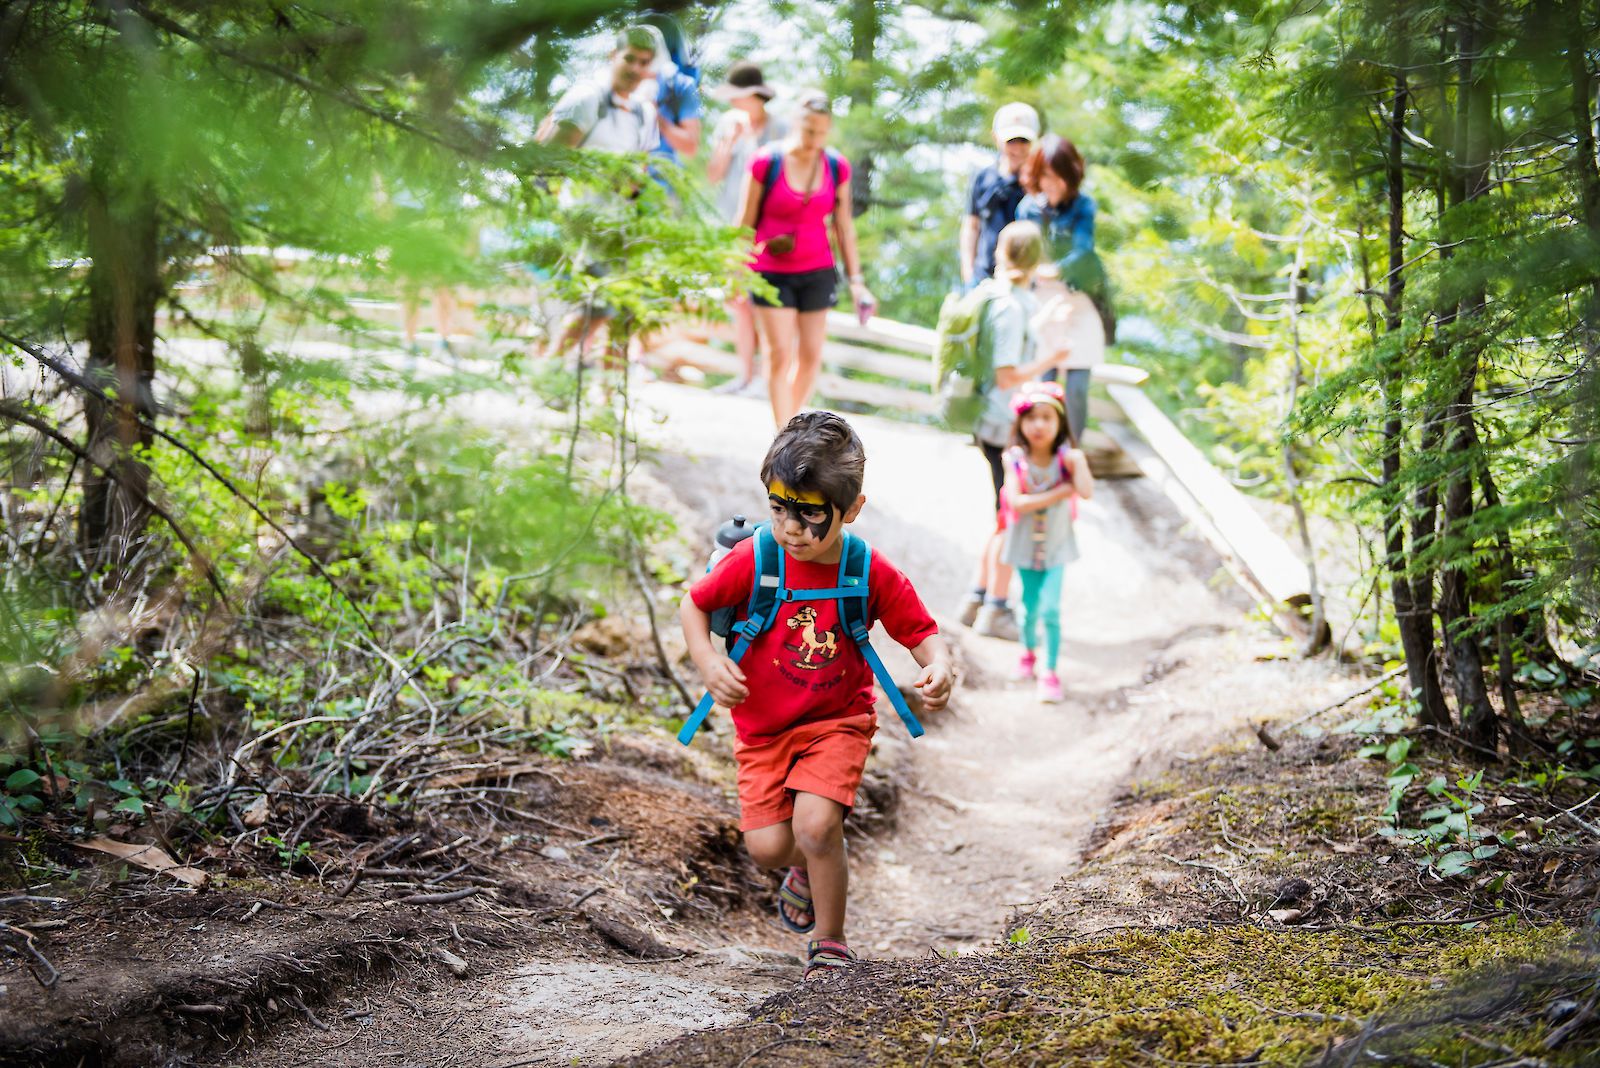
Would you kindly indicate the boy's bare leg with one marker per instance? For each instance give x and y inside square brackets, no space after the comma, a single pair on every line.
[774,846]
[819,835]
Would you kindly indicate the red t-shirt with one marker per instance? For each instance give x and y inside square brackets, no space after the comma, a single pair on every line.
[799,669]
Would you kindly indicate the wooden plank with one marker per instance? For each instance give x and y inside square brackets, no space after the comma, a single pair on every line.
[1119,373]
[716,361]
[879,331]
[1267,557]
[1285,617]
[918,371]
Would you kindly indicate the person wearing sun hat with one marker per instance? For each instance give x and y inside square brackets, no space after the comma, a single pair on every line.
[745,130]
[995,192]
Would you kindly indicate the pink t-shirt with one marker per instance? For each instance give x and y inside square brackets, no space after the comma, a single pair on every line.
[787,212]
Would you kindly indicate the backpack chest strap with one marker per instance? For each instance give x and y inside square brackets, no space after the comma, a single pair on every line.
[831,593]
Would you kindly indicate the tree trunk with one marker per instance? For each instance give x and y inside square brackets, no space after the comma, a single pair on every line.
[1479,722]
[1413,614]
[866,22]
[1585,462]
[124,288]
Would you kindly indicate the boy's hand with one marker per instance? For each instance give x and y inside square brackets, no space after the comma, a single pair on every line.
[934,685]
[724,679]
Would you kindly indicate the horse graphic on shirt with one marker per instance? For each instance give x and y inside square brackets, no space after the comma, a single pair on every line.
[812,642]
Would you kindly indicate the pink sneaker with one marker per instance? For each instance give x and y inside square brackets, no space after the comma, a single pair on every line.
[1025,665]
[1050,688]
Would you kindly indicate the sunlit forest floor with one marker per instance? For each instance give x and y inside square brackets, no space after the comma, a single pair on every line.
[1130,877]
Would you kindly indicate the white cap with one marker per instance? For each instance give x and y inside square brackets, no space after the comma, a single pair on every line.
[1015,120]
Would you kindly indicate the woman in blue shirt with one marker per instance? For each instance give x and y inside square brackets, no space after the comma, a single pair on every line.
[1053,175]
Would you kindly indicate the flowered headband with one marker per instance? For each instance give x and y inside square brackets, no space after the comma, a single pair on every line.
[1033,393]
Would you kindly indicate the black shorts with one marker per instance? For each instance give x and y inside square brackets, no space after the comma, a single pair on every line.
[806,291]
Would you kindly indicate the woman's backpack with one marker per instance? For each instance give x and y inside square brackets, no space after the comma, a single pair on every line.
[962,368]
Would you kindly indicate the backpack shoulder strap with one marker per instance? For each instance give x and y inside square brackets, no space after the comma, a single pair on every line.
[766,591]
[834,165]
[855,569]
[774,158]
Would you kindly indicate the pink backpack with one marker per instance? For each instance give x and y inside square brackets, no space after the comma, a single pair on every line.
[1008,514]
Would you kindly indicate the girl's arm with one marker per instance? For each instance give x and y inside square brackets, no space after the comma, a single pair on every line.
[1026,503]
[1007,338]
[1082,477]
[1012,377]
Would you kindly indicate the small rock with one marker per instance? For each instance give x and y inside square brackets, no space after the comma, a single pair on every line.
[1291,892]
[1560,1010]
[1287,916]
[256,815]
[555,852]
[457,966]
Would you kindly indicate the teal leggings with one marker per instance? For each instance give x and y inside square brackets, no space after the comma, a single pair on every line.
[1041,602]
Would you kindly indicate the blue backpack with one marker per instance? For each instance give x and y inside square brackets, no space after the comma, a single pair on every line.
[769,593]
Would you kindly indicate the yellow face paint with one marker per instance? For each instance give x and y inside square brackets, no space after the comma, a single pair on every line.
[785,494]
[811,510]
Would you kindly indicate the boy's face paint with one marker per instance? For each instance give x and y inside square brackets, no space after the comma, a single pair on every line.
[813,513]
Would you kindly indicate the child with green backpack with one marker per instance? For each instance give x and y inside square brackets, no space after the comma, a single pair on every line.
[987,347]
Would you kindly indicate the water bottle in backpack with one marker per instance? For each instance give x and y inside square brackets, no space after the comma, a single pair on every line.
[729,535]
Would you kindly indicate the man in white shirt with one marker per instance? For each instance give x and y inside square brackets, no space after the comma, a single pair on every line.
[602,115]
[599,114]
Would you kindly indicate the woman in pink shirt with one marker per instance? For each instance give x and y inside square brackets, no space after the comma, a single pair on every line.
[790,213]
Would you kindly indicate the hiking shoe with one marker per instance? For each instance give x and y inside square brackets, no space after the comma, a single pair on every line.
[733,386]
[1050,688]
[994,621]
[968,614]
[1026,665]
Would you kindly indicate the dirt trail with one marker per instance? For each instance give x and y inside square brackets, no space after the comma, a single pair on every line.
[1005,789]
[997,801]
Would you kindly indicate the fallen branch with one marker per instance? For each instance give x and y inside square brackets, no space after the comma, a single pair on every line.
[37,959]
[1209,867]
[439,899]
[1346,699]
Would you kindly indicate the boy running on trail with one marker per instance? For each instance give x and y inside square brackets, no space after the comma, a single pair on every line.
[802,703]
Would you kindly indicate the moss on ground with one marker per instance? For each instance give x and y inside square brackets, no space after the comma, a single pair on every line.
[1206,995]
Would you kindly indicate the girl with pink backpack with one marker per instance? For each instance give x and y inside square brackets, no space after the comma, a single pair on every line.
[1046,475]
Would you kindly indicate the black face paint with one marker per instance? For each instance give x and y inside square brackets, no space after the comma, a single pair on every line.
[816,518]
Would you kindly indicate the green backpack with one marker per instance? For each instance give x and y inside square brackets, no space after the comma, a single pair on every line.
[962,372]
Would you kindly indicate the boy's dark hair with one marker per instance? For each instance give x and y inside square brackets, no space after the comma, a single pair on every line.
[818,452]
[1063,430]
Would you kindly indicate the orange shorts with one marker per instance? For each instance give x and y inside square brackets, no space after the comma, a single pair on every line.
[823,758]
